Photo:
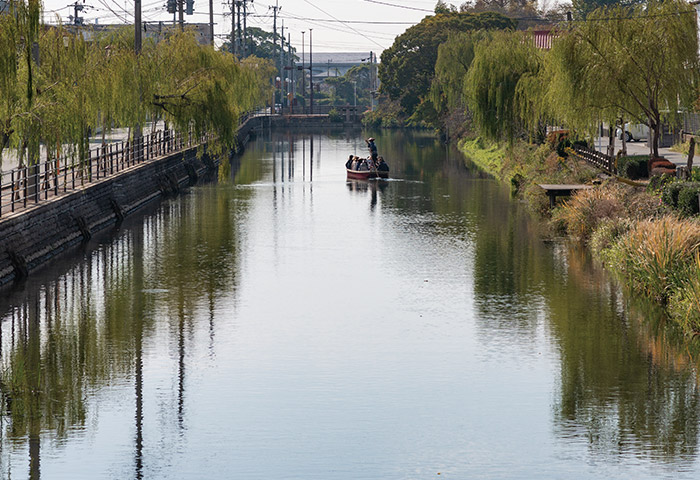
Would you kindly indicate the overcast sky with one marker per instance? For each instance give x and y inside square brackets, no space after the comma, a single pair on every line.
[338,25]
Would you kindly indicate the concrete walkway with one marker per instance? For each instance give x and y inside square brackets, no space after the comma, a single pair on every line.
[641,148]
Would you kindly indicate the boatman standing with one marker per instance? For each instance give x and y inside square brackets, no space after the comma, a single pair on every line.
[372,149]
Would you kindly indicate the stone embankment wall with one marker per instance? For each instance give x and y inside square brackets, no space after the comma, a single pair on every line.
[33,236]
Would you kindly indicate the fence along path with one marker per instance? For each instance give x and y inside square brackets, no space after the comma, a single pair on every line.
[597,159]
[26,186]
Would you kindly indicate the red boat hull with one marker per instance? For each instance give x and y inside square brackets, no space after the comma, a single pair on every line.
[361,174]
[366,175]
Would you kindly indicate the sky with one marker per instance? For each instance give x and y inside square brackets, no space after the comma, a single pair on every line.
[338,25]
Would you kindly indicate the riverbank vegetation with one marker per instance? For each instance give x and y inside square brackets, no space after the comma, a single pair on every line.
[517,110]
[57,86]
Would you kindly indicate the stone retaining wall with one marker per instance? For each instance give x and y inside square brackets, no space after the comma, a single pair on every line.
[30,238]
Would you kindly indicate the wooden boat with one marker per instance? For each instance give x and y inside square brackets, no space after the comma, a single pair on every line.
[367,174]
[363,174]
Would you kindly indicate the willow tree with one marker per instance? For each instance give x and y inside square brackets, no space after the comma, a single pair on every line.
[19,31]
[455,56]
[640,62]
[499,85]
[199,89]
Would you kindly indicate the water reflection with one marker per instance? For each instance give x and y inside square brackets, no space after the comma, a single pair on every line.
[68,337]
[283,321]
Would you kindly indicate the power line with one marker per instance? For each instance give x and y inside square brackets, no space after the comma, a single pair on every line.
[351,28]
[400,6]
[365,22]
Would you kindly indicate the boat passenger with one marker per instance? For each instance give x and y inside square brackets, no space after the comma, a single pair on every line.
[355,162]
[348,164]
[382,166]
[363,167]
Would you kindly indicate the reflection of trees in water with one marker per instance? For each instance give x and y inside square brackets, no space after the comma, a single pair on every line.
[621,389]
[62,339]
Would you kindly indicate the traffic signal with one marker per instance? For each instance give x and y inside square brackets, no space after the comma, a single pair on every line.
[189,10]
[171,6]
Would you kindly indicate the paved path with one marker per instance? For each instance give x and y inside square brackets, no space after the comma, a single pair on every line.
[641,148]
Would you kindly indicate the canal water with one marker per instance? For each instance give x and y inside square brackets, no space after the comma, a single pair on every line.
[281,322]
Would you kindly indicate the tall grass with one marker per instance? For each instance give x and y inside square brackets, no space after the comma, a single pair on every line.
[582,213]
[586,210]
[685,302]
[653,256]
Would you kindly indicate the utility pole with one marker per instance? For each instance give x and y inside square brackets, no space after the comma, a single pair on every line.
[240,39]
[311,73]
[291,97]
[282,64]
[303,72]
[245,28]
[181,14]
[77,7]
[234,50]
[137,26]
[211,22]
[274,33]
[372,89]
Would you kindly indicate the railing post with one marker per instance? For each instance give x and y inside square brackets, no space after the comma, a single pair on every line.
[12,191]
[24,194]
[55,176]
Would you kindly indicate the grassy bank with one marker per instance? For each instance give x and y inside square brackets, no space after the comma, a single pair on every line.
[653,249]
[523,166]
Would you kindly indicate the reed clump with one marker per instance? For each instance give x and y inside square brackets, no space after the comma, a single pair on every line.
[585,211]
[654,256]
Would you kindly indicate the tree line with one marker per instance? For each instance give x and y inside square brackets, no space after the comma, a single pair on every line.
[631,63]
[58,85]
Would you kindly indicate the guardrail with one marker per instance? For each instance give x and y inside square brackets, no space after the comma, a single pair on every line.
[30,184]
[597,159]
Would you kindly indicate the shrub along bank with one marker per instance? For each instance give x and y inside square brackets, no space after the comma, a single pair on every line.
[649,237]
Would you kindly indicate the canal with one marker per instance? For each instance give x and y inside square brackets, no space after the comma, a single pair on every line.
[280,322]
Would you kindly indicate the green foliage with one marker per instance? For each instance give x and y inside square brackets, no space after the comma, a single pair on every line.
[442,7]
[261,44]
[334,116]
[559,141]
[351,88]
[633,166]
[606,233]
[454,58]
[688,199]
[582,8]
[682,196]
[386,115]
[497,86]
[408,66]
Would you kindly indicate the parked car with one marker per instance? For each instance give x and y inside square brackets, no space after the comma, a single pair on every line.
[633,131]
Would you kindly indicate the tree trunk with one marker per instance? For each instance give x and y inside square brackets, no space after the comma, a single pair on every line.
[624,137]
[611,140]
[691,154]
[656,128]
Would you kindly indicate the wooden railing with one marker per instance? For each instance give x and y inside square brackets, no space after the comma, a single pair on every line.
[597,159]
[27,185]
